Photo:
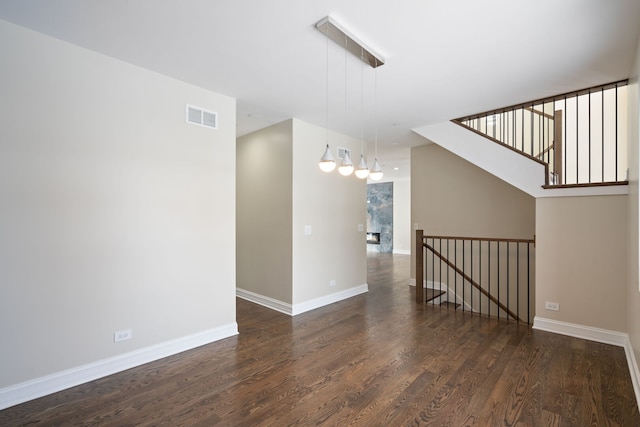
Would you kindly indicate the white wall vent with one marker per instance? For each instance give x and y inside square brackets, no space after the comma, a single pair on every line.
[342,151]
[200,117]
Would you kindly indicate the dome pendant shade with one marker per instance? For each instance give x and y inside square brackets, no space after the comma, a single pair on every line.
[327,163]
[363,170]
[346,167]
[376,171]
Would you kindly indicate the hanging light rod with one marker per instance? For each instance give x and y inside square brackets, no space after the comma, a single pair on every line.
[344,38]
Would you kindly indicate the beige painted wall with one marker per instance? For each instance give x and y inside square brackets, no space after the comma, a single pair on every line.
[333,206]
[402,216]
[264,212]
[452,197]
[633,291]
[582,260]
[116,214]
[277,199]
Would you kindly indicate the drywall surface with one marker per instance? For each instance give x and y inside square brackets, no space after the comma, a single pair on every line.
[264,212]
[581,247]
[116,214]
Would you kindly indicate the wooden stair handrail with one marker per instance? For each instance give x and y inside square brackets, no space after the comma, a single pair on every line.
[546,100]
[470,280]
[480,239]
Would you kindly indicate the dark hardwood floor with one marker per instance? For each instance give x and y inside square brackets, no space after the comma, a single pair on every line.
[375,359]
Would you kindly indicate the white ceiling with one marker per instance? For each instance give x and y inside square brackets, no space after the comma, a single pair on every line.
[444,59]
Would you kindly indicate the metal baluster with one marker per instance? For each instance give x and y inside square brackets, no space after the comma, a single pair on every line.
[518,280]
[522,142]
[489,276]
[448,269]
[555,166]
[480,274]
[589,98]
[455,276]
[508,282]
[463,266]
[528,282]
[433,264]
[498,254]
[565,120]
[616,151]
[513,128]
[471,286]
[440,271]
[577,142]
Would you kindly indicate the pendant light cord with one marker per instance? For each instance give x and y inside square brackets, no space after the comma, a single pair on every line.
[327,86]
[362,102]
[346,120]
[375,108]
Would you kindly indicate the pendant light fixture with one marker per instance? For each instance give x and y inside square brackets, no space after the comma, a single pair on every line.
[336,32]
[346,166]
[327,162]
[363,170]
[376,170]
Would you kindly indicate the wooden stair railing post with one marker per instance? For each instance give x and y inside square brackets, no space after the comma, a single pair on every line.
[419,267]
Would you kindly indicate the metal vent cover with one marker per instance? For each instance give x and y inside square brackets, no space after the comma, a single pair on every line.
[201,117]
[342,151]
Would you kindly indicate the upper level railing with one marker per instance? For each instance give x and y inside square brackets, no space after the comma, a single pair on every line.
[581,136]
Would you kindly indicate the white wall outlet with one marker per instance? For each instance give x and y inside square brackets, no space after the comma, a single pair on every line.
[332,282]
[554,306]
[360,227]
[307,230]
[415,226]
[122,335]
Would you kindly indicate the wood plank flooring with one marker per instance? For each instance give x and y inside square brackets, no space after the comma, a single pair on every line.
[377,359]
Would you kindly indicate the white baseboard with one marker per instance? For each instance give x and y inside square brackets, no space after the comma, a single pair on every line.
[296,309]
[605,336]
[580,331]
[402,251]
[38,387]
[329,299]
[272,303]
[633,369]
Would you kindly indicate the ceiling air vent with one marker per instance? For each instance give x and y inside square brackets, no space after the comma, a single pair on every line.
[200,117]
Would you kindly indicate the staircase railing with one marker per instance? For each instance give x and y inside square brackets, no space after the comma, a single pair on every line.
[581,136]
[489,276]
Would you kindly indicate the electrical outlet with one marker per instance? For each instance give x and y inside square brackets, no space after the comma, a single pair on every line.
[552,306]
[332,282]
[122,335]
[307,230]
[360,227]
